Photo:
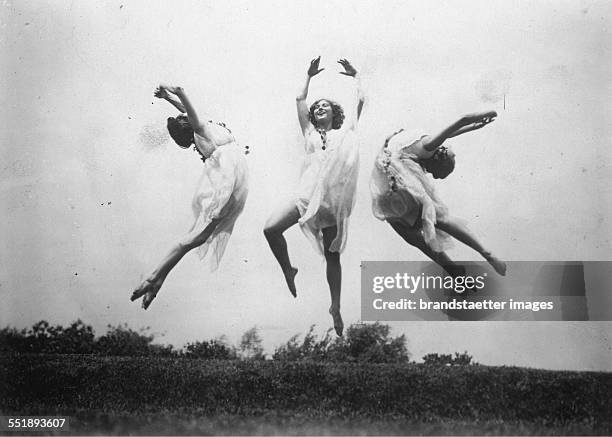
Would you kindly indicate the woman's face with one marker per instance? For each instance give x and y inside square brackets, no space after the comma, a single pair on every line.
[443,153]
[323,112]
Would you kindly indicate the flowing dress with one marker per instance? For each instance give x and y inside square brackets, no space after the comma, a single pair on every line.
[220,194]
[403,192]
[328,181]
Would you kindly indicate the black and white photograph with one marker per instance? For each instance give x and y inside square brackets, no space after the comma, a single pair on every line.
[306,217]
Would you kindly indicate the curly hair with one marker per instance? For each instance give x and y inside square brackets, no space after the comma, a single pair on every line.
[441,164]
[337,111]
[180,130]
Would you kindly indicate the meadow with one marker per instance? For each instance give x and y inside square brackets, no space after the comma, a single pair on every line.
[181,396]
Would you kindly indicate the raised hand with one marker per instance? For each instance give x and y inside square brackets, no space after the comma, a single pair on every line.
[161,93]
[483,122]
[480,119]
[169,88]
[314,69]
[349,70]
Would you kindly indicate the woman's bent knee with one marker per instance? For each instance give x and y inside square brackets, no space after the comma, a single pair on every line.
[333,257]
[270,231]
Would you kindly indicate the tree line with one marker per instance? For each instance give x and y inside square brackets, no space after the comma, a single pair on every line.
[362,342]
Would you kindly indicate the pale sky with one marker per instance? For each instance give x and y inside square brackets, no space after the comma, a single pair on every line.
[94,192]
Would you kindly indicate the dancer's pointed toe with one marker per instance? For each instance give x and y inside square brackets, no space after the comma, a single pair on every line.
[148,299]
[140,291]
[290,278]
[338,323]
[148,291]
[498,265]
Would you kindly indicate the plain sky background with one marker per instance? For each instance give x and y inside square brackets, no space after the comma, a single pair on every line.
[94,192]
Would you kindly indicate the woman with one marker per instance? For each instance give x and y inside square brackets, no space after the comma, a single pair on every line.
[403,193]
[221,192]
[326,189]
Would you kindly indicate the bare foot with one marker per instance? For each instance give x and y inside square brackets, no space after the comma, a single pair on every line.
[454,270]
[148,298]
[141,290]
[498,265]
[338,323]
[290,278]
[148,291]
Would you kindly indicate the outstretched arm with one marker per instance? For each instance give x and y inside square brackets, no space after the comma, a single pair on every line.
[349,70]
[302,107]
[467,123]
[476,125]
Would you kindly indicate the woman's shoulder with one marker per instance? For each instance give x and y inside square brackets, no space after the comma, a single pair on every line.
[406,138]
[218,133]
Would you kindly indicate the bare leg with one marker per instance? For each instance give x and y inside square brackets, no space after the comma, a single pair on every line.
[151,286]
[415,238]
[334,277]
[463,234]
[279,222]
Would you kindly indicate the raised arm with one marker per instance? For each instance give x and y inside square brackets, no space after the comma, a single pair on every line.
[184,105]
[162,93]
[467,123]
[302,107]
[349,70]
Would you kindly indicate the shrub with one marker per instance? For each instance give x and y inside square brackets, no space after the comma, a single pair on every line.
[372,343]
[362,342]
[250,345]
[12,340]
[211,349]
[123,341]
[448,360]
[309,348]
[78,338]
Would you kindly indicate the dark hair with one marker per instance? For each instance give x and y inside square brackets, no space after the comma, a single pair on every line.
[440,165]
[337,111]
[180,130]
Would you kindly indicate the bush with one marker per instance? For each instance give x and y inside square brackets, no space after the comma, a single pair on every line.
[250,345]
[78,338]
[12,340]
[211,349]
[362,342]
[448,360]
[310,348]
[123,341]
[372,343]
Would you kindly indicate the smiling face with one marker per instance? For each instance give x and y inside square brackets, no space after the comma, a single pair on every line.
[326,114]
[323,112]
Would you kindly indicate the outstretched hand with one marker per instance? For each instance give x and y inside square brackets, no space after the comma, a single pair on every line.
[349,70]
[480,119]
[483,122]
[161,93]
[168,88]
[314,69]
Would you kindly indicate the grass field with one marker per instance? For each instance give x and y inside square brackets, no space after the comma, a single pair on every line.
[112,395]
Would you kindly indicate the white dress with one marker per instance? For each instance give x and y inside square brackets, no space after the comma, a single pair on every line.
[221,193]
[403,192]
[328,181]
